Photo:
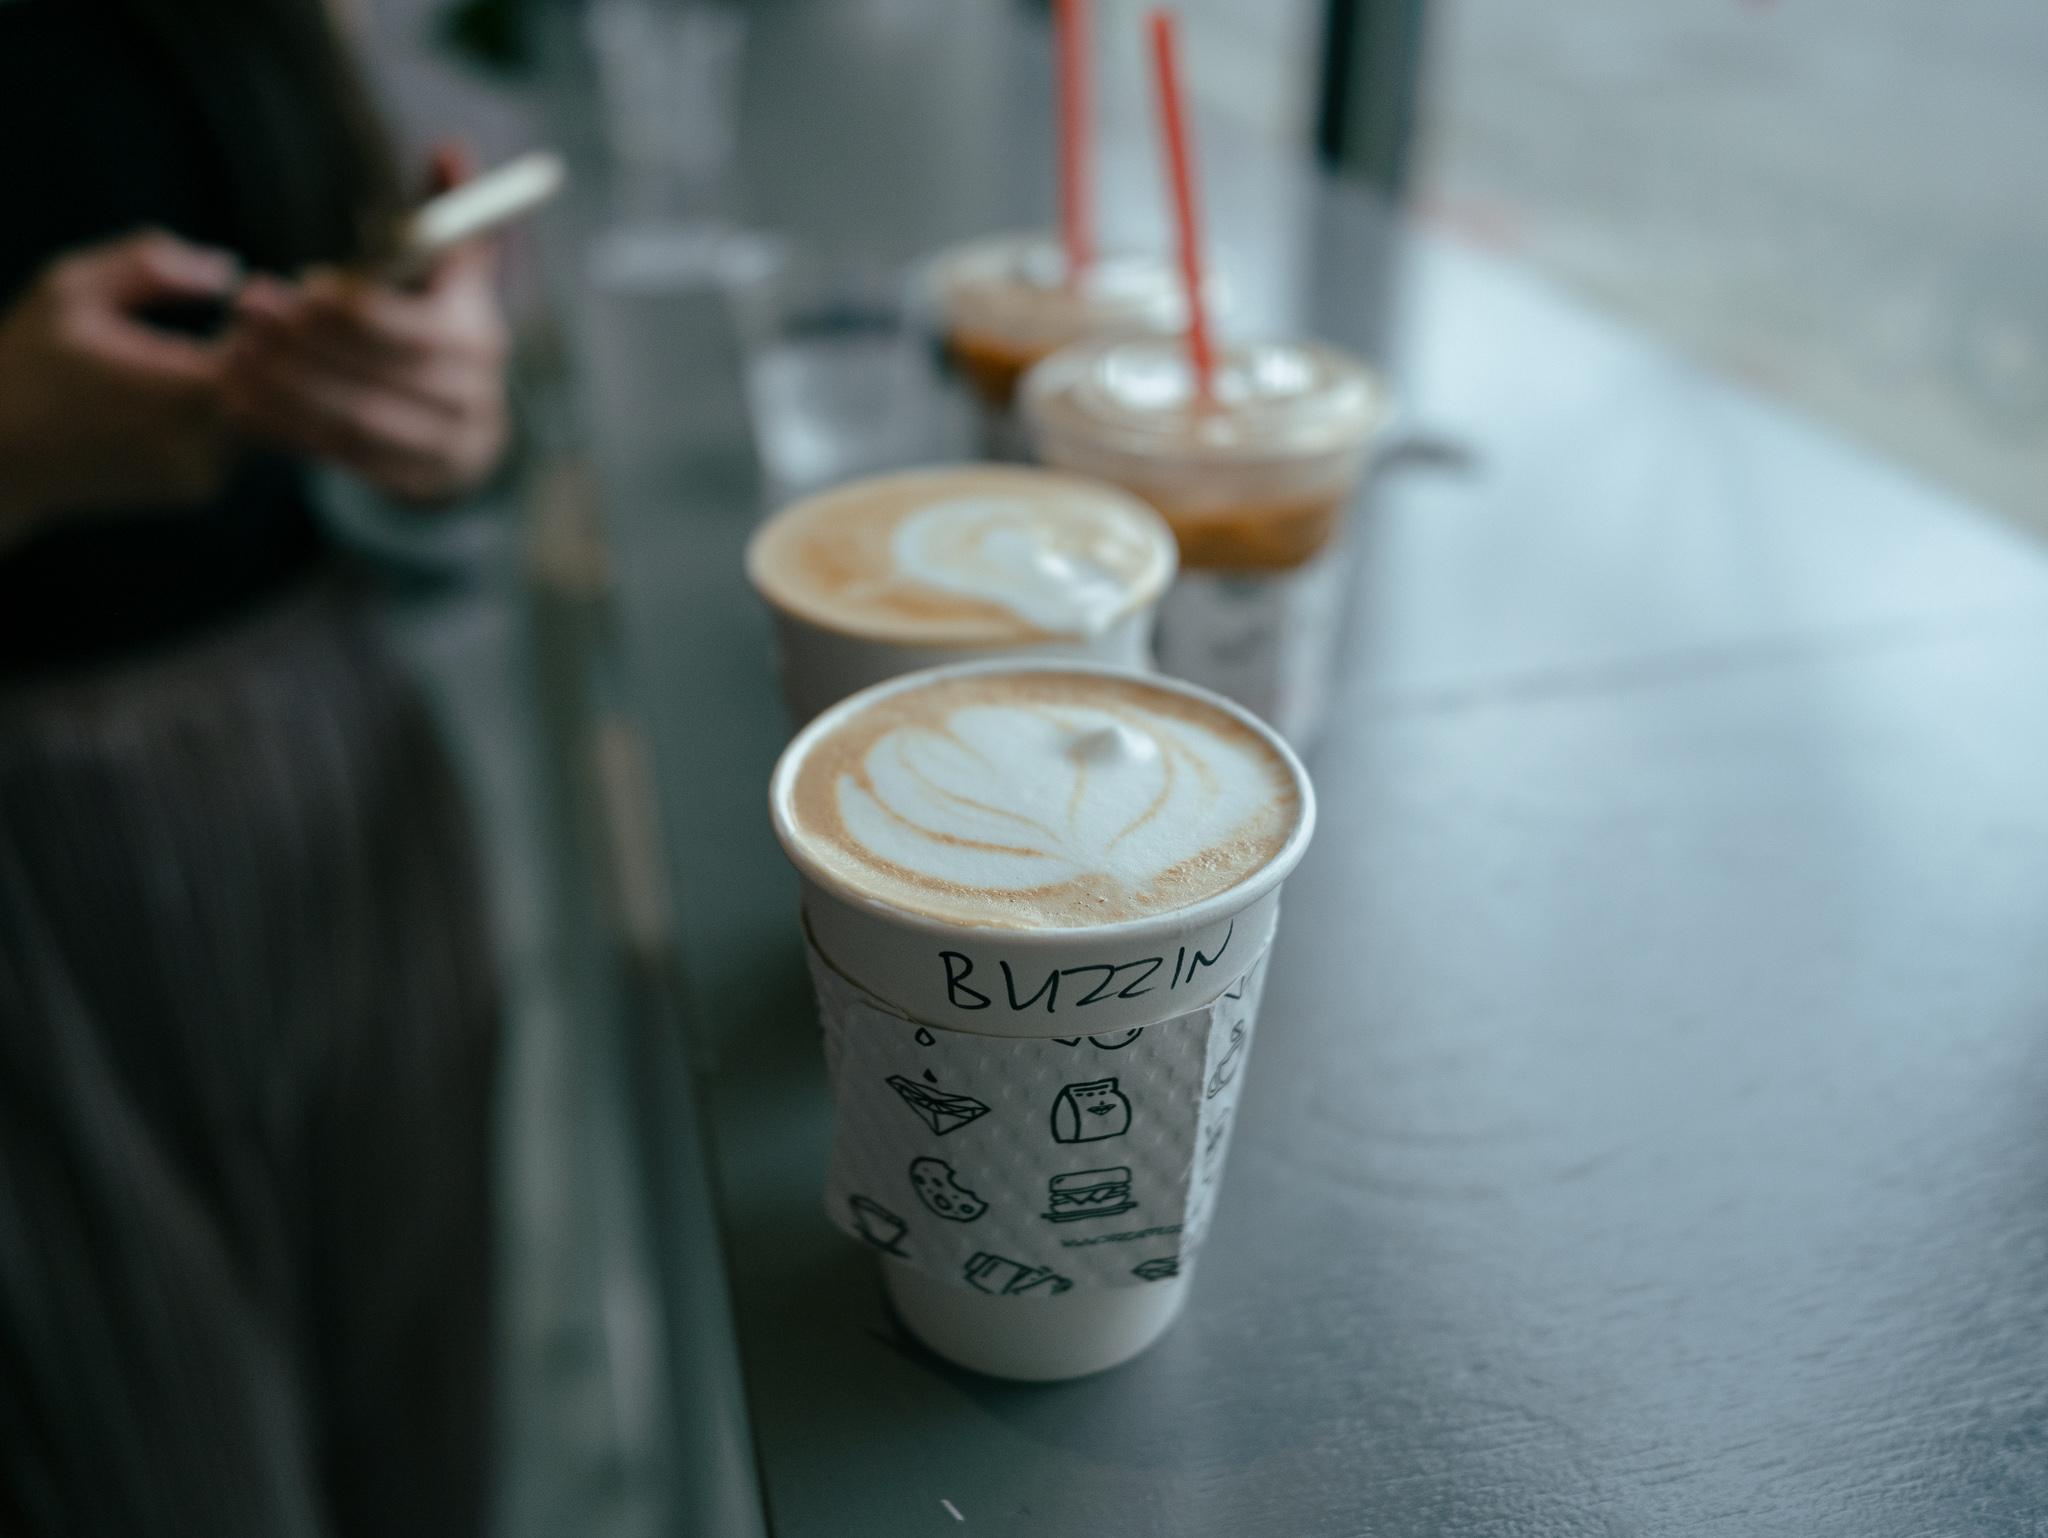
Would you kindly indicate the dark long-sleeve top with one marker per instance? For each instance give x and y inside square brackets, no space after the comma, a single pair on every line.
[100,136]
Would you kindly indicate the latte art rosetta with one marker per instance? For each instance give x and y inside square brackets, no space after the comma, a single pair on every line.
[1012,798]
[1038,798]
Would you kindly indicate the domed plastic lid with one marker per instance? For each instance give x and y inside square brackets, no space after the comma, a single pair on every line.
[1016,286]
[1267,398]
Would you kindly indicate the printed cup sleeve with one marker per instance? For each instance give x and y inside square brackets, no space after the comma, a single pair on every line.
[1030,1167]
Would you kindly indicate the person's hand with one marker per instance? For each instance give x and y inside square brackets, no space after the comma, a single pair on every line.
[99,409]
[405,388]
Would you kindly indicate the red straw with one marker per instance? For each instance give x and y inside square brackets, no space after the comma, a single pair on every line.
[1179,158]
[1070,23]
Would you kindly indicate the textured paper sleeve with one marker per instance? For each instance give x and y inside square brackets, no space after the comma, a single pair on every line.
[1031,1166]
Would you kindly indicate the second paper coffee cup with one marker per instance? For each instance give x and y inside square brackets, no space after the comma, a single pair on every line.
[957,563]
[1038,901]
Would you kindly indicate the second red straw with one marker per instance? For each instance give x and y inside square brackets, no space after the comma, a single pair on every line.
[1070,25]
[1180,158]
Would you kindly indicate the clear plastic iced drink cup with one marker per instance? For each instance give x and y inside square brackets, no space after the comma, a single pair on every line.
[1256,483]
[1006,301]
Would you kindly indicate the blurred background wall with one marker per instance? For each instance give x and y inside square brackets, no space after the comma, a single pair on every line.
[1843,202]
[1840,201]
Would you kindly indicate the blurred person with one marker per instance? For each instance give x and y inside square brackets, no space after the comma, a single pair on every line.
[247,1010]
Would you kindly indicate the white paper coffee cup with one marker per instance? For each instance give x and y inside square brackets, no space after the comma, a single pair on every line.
[1267,639]
[1031,1123]
[826,650]
[818,667]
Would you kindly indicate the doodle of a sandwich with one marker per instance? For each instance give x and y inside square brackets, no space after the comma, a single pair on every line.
[1089,1194]
[940,1109]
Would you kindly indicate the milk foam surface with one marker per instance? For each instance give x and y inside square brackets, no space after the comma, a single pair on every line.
[1062,568]
[1042,800]
[969,555]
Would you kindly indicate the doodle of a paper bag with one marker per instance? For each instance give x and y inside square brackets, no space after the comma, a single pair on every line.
[1087,1113]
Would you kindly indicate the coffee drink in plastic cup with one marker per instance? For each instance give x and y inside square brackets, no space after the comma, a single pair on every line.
[1256,483]
[963,563]
[1006,302]
[1038,901]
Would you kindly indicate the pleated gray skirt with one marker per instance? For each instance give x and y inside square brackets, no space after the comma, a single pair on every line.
[247,1038]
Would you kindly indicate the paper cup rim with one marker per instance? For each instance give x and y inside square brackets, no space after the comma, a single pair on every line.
[1232,899]
[1157,579]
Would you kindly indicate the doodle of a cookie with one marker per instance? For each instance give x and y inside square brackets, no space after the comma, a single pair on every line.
[940,1190]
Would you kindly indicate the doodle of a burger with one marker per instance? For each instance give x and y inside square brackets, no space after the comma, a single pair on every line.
[1089,1194]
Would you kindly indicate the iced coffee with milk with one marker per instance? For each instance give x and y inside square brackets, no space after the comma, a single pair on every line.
[1007,302]
[957,563]
[1039,902]
[1256,480]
